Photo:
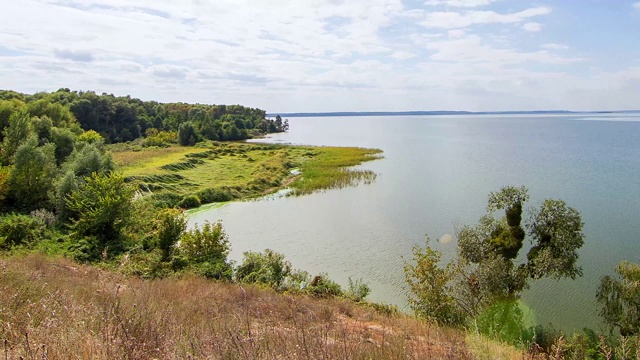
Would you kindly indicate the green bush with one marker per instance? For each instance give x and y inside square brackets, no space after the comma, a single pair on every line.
[171,224]
[358,290]
[323,287]
[18,229]
[212,195]
[166,199]
[206,250]
[190,202]
[268,268]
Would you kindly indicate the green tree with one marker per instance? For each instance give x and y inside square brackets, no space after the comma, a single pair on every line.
[33,174]
[171,225]
[187,134]
[101,209]
[17,132]
[5,175]
[207,249]
[486,270]
[620,299]
[89,159]
[430,287]
[65,141]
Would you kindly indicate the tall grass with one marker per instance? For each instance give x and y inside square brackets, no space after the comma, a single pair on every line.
[331,167]
[249,169]
[55,309]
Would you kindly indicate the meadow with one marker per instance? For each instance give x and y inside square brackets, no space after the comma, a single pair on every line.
[215,171]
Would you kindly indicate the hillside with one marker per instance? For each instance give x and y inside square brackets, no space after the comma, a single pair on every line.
[57,309]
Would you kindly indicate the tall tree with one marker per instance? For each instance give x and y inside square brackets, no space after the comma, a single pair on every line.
[15,133]
[487,269]
[33,174]
[102,209]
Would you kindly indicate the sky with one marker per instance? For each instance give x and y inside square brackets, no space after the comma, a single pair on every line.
[331,55]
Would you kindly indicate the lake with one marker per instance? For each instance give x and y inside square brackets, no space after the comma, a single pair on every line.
[435,176]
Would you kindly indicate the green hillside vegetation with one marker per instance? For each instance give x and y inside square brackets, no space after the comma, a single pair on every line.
[97,186]
[223,171]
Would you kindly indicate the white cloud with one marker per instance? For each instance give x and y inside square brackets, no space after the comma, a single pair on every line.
[402,55]
[455,34]
[460,3]
[450,20]
[554,46]
[317,55]
[636,5]
[532,27]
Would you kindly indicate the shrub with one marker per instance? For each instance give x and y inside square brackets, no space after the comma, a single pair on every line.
[323,287]
[358,290]
[189,202]
[206,249]
[18,229]
[171,226]
[166,199]
[212,195]
[268,268]
[102,208]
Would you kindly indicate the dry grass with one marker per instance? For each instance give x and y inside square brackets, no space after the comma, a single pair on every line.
[55,309]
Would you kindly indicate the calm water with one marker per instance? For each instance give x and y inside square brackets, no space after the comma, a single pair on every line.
[436,174]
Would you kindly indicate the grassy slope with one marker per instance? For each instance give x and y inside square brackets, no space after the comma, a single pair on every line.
[57,309]
[249,169]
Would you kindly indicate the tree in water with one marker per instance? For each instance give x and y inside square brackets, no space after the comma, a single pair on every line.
[486,270]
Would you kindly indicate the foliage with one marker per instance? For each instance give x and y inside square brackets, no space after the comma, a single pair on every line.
[159,138]
[17,132]
[189,202]
[357,290]
[89,159]
[208,248]
[90,137]
[101,209]
[620,299]
[430,293]
[5,175]
[268,268]
[486,271]
[187,134]
[32,177]
[65,140]
[65,184]
[323,287]
[18,229]
[171,226]
[211,195]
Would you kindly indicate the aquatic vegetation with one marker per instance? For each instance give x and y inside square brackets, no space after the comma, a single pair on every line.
[219,172]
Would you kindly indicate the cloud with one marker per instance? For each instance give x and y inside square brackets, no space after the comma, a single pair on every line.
[79,55]
[460,3]
[636,5]
[452,20]
[554,46]
[532,27]
[402,55]
[169,71]
[318,55]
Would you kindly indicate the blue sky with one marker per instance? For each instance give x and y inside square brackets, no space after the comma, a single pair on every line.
[331,55]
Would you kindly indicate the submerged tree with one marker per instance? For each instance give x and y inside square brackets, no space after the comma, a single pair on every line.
[487,270]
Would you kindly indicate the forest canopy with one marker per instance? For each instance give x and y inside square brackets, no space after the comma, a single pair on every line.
[123,118]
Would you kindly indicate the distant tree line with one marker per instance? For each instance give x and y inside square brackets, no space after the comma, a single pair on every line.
[123,118]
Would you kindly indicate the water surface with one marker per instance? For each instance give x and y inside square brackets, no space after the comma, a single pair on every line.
[436,175]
